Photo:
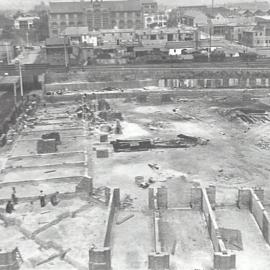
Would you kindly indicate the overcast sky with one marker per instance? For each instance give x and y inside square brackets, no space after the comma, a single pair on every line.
[26,4]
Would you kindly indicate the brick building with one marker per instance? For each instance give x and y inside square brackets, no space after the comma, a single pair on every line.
[95,15]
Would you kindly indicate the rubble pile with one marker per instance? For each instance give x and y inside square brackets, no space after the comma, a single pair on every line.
[24,120]
[263,144]
[247,115]
[127,202]
[154,125]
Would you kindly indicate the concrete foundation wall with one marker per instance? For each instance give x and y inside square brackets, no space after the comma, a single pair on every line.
[45,146]
[223,259]
[113,204]
[210,220]
[100,259]
[85,185]
[266,227]
[158,261]
[196,198]
[257,209]
[244,198]
[251,198]
[158,198]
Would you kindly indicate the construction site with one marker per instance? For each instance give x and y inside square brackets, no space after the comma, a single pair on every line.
[149,176]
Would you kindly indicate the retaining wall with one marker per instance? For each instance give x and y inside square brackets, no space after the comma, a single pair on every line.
[99,85]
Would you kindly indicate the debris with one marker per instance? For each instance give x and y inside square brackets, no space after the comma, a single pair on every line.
[263,144]
[61,255]
[153,166]
[52,135]
[125,219]
[127,202]
[174,247]
[183,141]
[50,171]
[247,115]
[139,180]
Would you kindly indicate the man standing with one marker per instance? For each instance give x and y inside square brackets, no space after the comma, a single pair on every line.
[9,207]
[13,196]
[42,199]
[54,199]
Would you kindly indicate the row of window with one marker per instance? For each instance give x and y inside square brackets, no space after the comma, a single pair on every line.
[262,42]
[63,24]
[79,15]
[258,33]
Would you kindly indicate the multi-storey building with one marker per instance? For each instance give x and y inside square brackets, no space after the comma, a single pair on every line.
[95,15]
[259,35]
[26,23]
[158,19]
[149,6]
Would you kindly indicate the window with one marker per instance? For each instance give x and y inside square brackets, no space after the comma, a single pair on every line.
[53,16]
[55,32]
[261,34]
[256,34]
[54,25]
[258,42]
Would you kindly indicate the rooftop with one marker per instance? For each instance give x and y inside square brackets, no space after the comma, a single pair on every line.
[56,41]
[76,31]
[79,7]
[9,79]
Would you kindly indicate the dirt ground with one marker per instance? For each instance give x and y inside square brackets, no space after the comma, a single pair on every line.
[132,240]
[236,156]
[193,245]
[255,253]
[232,158]
[79,233]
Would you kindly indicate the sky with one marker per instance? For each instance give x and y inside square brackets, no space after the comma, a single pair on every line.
[27,4]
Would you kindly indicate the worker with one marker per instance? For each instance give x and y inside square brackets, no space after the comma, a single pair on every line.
[42,199]
[13,196]
[9,207]
[54,199]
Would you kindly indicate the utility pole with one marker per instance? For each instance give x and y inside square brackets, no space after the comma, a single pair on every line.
[7,50]
[210,27]
[21,80]
[65,52]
